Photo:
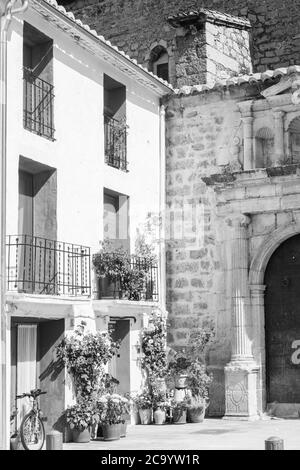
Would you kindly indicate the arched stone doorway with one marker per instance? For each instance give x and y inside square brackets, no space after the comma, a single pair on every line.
[257,271]
[282,323]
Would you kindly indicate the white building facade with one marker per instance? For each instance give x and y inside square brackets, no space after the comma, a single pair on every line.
[69,186]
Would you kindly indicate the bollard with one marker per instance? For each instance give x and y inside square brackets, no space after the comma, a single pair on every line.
[274,443]
[54,440]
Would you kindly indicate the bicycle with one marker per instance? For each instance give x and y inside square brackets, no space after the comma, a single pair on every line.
[32,431]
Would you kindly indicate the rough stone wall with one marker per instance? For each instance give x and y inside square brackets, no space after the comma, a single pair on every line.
[135,25]
[200,129]
[189,59]
[227,51]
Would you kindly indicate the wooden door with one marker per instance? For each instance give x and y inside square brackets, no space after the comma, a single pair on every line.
[282,315]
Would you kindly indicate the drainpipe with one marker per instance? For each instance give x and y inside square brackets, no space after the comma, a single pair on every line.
[162,208]
[7,10]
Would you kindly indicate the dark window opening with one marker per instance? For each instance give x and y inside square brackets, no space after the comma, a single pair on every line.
[38,82]
[115,127]
[159,62]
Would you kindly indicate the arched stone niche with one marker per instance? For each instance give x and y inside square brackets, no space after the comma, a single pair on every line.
[264,147]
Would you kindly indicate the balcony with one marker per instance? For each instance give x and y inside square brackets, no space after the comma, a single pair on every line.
[115,142]
[47,267]
[38,105]
[134,279]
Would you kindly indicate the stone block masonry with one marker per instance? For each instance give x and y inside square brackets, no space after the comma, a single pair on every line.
[137,25]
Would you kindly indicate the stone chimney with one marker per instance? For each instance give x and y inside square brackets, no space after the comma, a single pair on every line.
[210,46]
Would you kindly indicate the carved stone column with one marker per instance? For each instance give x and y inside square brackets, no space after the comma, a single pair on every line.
[241,372]
[278,137]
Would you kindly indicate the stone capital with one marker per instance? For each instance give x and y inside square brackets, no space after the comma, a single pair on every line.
[238,221]
[278,114]
[245,108]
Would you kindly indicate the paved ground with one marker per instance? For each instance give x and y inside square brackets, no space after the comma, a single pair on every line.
[212,434]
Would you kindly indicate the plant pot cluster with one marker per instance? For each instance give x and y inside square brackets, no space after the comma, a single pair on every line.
[105,414]
[176,413]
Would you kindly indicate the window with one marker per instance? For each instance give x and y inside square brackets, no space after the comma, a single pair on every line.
[116,219]
[159,62]
[38,82]
[115,127]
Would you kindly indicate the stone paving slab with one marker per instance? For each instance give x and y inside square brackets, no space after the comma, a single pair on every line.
[212,434]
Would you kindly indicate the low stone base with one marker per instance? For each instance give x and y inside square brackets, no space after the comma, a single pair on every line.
[240,391]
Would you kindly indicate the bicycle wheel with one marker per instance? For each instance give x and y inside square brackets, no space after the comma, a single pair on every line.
[32,432]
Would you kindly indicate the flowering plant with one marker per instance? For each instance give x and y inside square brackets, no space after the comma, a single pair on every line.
[154,360]
[143,401]
[84,355]
[199,380]
[112,408]
[178,406]
[82,415]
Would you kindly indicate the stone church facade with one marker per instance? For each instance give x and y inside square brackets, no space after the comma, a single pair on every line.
[141,28]
[233,185]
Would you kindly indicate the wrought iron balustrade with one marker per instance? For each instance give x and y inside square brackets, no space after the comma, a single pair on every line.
[115,143]
[41,266]
[38,105]
[118,288]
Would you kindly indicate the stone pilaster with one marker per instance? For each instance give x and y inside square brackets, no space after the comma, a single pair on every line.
[279,153]
[241,372]
[248,142]
[247,119]
[257,293]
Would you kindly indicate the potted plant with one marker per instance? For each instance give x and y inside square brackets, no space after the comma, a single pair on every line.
[111,409]
[143,403]
[196,407]
[159,406]
[198,382]
[179,411]
[113,265]
[85,354]
[178,369]
[80,418]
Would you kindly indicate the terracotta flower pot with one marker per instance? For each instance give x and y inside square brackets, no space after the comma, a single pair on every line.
[111,432]
[196,415]
[145,416]
[159,416]
[179,416]
[81,436]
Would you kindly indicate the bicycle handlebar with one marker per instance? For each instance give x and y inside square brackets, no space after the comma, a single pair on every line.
[33,393]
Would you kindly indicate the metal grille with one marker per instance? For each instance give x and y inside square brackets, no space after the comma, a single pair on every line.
[38,105]
[115,136]
[40,266]
[112,288]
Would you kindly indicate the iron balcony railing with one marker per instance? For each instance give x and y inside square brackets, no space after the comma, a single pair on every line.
[38,105]
[115,142]
[114,288]
[40,266]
